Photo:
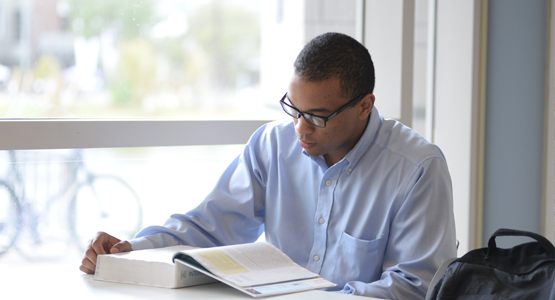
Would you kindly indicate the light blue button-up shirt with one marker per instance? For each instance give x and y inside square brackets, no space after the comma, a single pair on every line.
[378,223]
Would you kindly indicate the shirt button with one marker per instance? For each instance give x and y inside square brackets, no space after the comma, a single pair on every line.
[328,182]
[350,170]
[316,257]
[322,221]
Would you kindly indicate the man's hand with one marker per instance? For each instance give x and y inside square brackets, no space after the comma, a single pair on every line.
[102,243]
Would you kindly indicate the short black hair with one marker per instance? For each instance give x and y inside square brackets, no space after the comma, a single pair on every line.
[336,55]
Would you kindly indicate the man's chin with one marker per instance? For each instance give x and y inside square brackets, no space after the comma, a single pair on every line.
[312,151]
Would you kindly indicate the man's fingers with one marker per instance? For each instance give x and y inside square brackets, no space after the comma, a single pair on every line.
[123,246]
[100,244]
[85,270]
[87,266]
[91,255]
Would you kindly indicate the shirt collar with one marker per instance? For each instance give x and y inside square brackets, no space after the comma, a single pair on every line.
[365,141]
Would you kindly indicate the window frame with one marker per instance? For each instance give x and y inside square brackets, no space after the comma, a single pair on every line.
[548,219]
[68,134]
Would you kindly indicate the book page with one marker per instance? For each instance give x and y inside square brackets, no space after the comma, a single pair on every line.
[250,264]
[268,289]
[248,257]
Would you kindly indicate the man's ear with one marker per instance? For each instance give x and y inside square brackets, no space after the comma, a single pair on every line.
[366,104]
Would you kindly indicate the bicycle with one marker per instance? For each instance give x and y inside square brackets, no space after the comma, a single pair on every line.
[42,219]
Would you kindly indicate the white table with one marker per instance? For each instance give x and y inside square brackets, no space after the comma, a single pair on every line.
[67,282]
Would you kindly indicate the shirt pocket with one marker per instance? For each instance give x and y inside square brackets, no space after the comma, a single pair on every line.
[358,260]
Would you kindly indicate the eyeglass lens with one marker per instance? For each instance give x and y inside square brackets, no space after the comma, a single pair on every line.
[313,120]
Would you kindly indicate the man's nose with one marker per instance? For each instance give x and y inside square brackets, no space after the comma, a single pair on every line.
[302,126]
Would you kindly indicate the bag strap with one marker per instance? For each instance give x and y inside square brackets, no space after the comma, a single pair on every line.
[512,232]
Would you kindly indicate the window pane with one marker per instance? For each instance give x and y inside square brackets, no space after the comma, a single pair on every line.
[53,201]
[184,59]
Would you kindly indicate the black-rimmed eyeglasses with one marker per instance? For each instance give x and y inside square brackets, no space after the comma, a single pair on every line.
[311,119]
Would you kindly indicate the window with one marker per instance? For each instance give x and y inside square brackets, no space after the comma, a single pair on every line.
[17,30]
[106,85]
[159,59]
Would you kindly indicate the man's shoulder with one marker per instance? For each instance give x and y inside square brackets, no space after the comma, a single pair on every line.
[275,131]
[404,141]
[281,125]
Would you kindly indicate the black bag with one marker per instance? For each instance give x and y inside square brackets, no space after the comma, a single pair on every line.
[526,271]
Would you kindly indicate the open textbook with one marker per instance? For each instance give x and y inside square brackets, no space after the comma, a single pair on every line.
[258,269]
[153,267]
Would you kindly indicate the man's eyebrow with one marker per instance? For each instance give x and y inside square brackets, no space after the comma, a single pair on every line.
[312,110]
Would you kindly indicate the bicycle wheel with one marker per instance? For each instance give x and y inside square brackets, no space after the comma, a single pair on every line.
[43,178]
[104,203]
[10,217]
[44,235]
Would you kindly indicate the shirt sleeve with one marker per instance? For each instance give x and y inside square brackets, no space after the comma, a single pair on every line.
[233,212]
[422,237]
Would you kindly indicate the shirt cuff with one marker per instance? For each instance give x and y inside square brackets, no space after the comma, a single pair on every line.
[348,289]
[141,243]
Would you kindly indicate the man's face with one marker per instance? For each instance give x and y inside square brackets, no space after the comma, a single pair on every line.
[342,132]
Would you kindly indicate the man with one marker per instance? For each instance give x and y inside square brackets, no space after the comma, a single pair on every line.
[363,201]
